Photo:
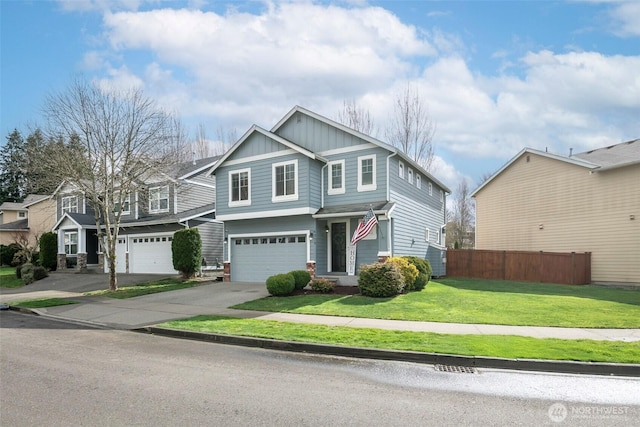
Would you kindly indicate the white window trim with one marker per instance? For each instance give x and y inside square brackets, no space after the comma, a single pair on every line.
[401,170]
[22,214]
[410,176]
[441,195]
[168,198]
[287,197]
[418,181]
[367,187]
[237,203]
[342,188]
[64,241]
[126,201]
[426,234]
[67,208]
[430,189]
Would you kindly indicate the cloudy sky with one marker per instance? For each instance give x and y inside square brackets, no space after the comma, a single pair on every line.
[495,76]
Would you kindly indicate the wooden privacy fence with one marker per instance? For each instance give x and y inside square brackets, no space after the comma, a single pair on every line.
[546,267]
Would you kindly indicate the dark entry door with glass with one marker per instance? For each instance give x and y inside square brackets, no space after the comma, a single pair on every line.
[339,247]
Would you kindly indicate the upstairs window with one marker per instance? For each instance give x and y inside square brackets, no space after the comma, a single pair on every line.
[70,204]
[159,199]
[418,181]
[126,204]
[239,188]
[336,177]
[430,189]
[401,170]
[22,214]
[367,173]
[410,176]
[285,181]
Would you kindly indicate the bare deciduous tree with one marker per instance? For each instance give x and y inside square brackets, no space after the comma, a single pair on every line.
[202,147]
[356,117]
[411,129]
[461,218]
[118,139]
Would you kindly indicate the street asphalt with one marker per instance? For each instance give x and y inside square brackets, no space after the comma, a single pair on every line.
[214,298]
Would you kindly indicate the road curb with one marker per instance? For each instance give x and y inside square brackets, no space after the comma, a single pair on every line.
[570,367]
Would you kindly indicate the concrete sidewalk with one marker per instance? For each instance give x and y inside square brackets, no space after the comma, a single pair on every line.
[214,298]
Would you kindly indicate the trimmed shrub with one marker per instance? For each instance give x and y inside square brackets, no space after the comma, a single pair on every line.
[39,273]
[301,277]
[424,272]
[409,272]
[19,271]
[280,285]
[7,253]
[27,273]
[382,279]
[321,285]
[186,250]
[49,251]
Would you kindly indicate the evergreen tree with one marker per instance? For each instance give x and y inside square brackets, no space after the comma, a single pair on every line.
[12,175]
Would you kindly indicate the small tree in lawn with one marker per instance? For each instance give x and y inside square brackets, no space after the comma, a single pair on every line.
[186,249]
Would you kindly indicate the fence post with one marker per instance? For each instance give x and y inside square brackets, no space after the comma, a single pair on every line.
[504,265]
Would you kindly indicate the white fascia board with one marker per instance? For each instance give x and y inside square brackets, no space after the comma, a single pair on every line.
[267,214]
[571,160]
[201,184]
[188,218]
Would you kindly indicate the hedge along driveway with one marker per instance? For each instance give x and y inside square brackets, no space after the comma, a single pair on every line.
[478,301]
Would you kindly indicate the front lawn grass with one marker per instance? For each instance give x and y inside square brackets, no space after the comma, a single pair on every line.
[44,302]
[8,278]
[164,285]
[504,346]
[478,301]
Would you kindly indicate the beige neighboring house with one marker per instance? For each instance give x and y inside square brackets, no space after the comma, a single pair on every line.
[586,202]
[30,218]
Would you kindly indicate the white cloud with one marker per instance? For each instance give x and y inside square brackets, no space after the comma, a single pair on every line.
[626,16]
[99,5]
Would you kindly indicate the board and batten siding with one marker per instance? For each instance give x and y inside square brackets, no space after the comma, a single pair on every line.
[542,204]
[315,135]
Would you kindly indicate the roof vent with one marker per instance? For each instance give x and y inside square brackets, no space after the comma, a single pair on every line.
[570,152]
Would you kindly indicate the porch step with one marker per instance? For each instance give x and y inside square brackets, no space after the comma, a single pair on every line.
[342,280]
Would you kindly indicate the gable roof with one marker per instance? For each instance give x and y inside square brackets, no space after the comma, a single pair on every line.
[595,160]
[81,220]
[370,139]
[196,166]
[31,199]
[20,225]
[277,138]
[613,156]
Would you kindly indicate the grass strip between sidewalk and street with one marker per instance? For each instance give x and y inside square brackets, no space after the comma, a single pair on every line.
[44,302]
[503,346]
[165,285]
[478,301]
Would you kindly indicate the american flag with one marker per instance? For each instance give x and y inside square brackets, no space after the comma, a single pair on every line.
[366,225]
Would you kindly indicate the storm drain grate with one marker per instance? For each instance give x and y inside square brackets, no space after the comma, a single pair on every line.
[456,369]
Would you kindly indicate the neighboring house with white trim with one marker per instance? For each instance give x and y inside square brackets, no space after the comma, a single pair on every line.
[152,213]
[291,198]
[585,202]
[27,219]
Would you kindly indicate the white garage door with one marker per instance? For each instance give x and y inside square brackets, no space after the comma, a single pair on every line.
[253,259]
[151,254]
[121,256]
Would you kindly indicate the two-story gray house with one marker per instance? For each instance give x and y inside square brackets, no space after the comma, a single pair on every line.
[150,215]
[291,198]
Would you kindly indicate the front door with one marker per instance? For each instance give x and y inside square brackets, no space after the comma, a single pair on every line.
[339,247]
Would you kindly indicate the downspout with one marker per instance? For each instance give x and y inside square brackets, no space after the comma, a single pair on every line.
[388,175]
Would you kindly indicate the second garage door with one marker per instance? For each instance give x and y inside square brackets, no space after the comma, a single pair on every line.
[253,259]
[151,255]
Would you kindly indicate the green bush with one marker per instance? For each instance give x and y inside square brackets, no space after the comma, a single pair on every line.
[382,279]
[39,273]
[49,251]
[7,253]
[280,285]
[424,272]
[27,273]
[19,271]
[409,272]
[186,249]
[301,277]
[321,285]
